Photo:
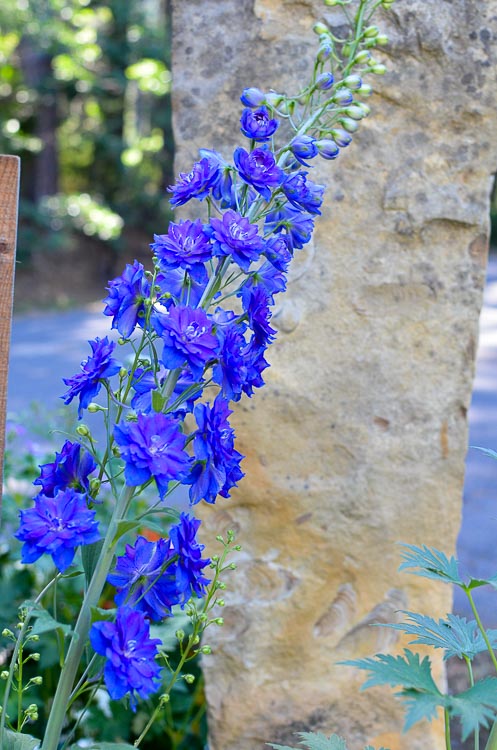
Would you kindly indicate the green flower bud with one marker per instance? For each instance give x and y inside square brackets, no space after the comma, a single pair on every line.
[219,621]
[237,548]
[83,430]
[379,69]
[220,602]
[348,124]
[215,558]
[95,485]
[366,110]
[332,3]
[115,451]
[121,341]
[365,90]
[203,617]
[287,107]
[93,408]
[35,656]
[273,99]
[4,675]
[320,28]
[164,699]
[189,678]
[232,566]
[180,634]
[219,538]
[382,40]
[362,57]
[355,113]
[346,49]
[230,534]
[196,640]
[123,372]
[221,585]
[7,633]
[371,31]
[38,680]
[206,650]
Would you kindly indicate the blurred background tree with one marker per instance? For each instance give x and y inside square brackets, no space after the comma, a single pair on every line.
[85,99]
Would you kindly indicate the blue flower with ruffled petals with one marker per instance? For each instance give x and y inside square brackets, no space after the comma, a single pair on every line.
[99,366]
[302,193]
[125,302]
[294,225]
[184,246]
[131,667]
[234,235]
[259,169]
[190,564]
[195,184]
[188,338]
[257,124]
[56,526]
[71,468]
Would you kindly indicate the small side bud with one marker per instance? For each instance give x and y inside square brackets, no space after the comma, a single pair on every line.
[83,430]
[4,675]
[353,82]
[123,372]
[348,124]
[362,57]
[327,149]
[325,81]
[206,650]
[93,408]
[324,52]
[341,137]
[273,99]
[221,585]
[38,680]
[7,633]
[220,602]
[164,699]
[379,69]
[320,28]
[189,678]
[355,113]
[219,621]
[95,486]
[196,640]
[121,341]
[371,32]
[180,634]
[35,656]
[343,97]
[382,40]
[365,90]
[252,97]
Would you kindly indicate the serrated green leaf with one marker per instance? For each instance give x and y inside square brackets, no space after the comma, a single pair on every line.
[407,671]
[475,707]
[419,706]
[455,635]
[18,741]
[431,563]
[89,556]
[44,622]
[123,527]
[315,741]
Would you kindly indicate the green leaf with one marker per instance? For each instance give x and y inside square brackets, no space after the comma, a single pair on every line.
[44,622]
[315,741]
[431,563]
[419,706]
[475,707]
[98,614]
[123,527]
[106,746]
[18,741]
[158,401]
[407,671]
[455,635]
[89,555]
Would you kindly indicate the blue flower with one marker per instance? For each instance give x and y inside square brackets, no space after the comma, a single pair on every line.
[180,286]
[145,578]
[100,365]
[295,227]
[125,301]
[277,252]
[268,276]
[234,235]
[304,147]
[218,463]
[257,124]
[255,301]
[303,193]
[188,339]
[190,564]
[56,526]
[231,371]
[195,184]
[259,169]
[153,446]
[71,468]
[325,81]
[144,382]
[130,653]
[329,149]
[184,246]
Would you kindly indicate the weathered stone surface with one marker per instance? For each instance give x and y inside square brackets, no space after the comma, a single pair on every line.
[359,438]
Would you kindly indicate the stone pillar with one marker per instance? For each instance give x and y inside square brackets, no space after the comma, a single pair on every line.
[358,440]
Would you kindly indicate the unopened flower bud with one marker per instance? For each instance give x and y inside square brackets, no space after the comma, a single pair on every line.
[206,650]
[348,124]
[252,97]
[35,656]
[232,566]
[382,40]
[115,451]
[356,113]
[237,547]
[362,57]
[219,621]
[7,633]
[220,602]
[343,97]
[196,640]
[4,675]
[121,341]
[366,109]
[320,28]
[189,678]
[324,51]
[221,585]
[365,90]
[219,538]
[38,680]
[325,81]
[287,107]
[332,3]
[123,372]
[353,82]
[83,430]
[379,69]
[34,637]
[93,408]
[180,634]
[371,31]
[215,558]
[346,49]
[328,149]
[203,617]
[341,137]
[164,699]
[95,486]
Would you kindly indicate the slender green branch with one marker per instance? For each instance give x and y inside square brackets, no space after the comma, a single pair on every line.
[481,627]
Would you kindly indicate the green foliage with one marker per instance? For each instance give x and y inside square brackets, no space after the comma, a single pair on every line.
[430,563]
[318,741]
[18,741]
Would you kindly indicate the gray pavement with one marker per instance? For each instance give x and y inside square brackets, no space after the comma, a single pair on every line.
[47,346]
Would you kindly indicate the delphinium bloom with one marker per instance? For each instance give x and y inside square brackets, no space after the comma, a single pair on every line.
[145,578]
[217,466]
[56,526]
[153,446]
[257,124]
[175,285]
[195,184]
[256,305]
[87,383]
[294,225]
[190,564]
[184,246]
[187,336]
[130,667]
[125,301]
[71,468]
[259,169]
[302,193]
[304,147]
[235,236]
[230,372]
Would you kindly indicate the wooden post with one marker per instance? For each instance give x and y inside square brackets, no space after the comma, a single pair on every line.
[9,200]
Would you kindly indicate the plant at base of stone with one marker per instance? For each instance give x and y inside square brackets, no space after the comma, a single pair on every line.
[197,327]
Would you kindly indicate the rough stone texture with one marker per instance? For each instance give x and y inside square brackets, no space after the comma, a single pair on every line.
[358,439]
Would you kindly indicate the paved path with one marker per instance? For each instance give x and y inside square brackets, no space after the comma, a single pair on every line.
[49,346]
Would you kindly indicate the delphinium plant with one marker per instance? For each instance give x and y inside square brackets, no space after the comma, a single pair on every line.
[196,327]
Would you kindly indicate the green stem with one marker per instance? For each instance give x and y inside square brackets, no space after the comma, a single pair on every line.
[82,628]
[448,745]
[480,626]
[492,739]
[472,682]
